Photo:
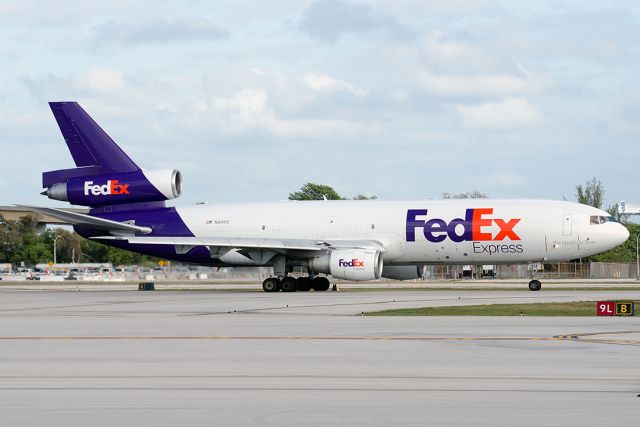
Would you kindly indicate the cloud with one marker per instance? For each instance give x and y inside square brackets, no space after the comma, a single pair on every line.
[322,82]
[481,84]
[330,19]
[248,111]
[287,80]
[510,113]
[99,79]
[155,31]
[465,67]
[440,51]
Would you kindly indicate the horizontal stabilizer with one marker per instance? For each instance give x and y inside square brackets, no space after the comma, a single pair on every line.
[53,177]
[94,222]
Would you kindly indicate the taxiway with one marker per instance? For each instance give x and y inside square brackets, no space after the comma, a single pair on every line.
[249,358]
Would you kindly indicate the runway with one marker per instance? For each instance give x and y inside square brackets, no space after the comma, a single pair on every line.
[246,358]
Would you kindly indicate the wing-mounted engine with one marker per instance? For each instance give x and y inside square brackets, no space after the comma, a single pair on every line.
[118,188]
[350,264]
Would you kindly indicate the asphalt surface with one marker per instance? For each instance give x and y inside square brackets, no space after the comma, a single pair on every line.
[248,358]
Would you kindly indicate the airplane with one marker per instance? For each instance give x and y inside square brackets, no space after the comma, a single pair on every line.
[349,240]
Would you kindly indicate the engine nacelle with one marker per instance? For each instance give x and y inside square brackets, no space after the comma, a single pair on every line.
[403,272]
[118,188]
[349,264]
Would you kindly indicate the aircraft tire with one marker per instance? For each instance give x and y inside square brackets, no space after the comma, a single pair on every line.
[303,284]
[535,285]
[271,284]
[320,284]
[288,284]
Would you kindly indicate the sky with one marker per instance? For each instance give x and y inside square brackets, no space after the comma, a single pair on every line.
[399,99]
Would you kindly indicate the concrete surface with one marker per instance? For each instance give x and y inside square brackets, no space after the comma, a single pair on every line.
[9,283]
[249,358]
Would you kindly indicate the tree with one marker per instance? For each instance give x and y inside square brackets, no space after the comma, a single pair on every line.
[312,191]
[360,196]
[68,248]
[591,194]
[468,195]
[20,241]
[10,239]
[613,211]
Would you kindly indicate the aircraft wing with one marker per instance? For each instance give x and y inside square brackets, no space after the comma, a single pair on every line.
[299,244]
[248,243]
[82,219]
[125,231]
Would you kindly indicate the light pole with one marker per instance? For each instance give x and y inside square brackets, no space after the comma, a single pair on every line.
[55,255]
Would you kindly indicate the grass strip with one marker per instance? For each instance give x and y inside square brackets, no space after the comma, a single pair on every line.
[575,308]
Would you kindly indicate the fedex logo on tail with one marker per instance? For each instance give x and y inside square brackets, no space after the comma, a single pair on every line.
[111,187]
[474,226]
[355,263]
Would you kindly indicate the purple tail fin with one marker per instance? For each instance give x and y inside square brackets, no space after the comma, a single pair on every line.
[105,177]
[91,148]
[88,143]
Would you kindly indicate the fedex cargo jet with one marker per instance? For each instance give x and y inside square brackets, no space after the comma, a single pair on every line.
[351,240]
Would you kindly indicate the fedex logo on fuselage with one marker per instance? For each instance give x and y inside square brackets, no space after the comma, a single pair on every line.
[355,263]
[111,187]
[473,226]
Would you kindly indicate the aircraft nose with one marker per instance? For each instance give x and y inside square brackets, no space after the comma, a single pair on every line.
[622,234]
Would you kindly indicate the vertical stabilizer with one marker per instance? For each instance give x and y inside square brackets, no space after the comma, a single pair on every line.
[104,176]
[88,143]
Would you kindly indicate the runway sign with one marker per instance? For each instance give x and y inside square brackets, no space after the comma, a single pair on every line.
[606,308]
[613,308]
[624,309]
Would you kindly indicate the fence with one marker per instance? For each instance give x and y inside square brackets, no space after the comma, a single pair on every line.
[566,270]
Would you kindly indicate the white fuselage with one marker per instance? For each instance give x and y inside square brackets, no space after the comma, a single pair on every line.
[465,231]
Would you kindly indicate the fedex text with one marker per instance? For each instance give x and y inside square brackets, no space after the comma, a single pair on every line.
[475,226]
[111,187]
[354,263]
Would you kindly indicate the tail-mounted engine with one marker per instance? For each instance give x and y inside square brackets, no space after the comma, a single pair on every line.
[118,188]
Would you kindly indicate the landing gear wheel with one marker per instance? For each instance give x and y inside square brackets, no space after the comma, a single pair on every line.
[320,284]
[288,284]
[303,284]
[535,285]
[271,284]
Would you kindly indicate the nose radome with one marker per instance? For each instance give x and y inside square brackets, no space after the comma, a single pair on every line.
[623,233]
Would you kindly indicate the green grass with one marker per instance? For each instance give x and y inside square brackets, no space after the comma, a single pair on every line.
[576,308]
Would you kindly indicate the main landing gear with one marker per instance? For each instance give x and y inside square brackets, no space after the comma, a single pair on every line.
[535,285]
[292,284]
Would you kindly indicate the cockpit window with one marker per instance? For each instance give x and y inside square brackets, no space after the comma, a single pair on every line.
[596,219]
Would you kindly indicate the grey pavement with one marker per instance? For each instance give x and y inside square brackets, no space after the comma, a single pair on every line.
[309,359]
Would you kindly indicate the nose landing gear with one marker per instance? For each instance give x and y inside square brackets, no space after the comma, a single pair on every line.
[535,285]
